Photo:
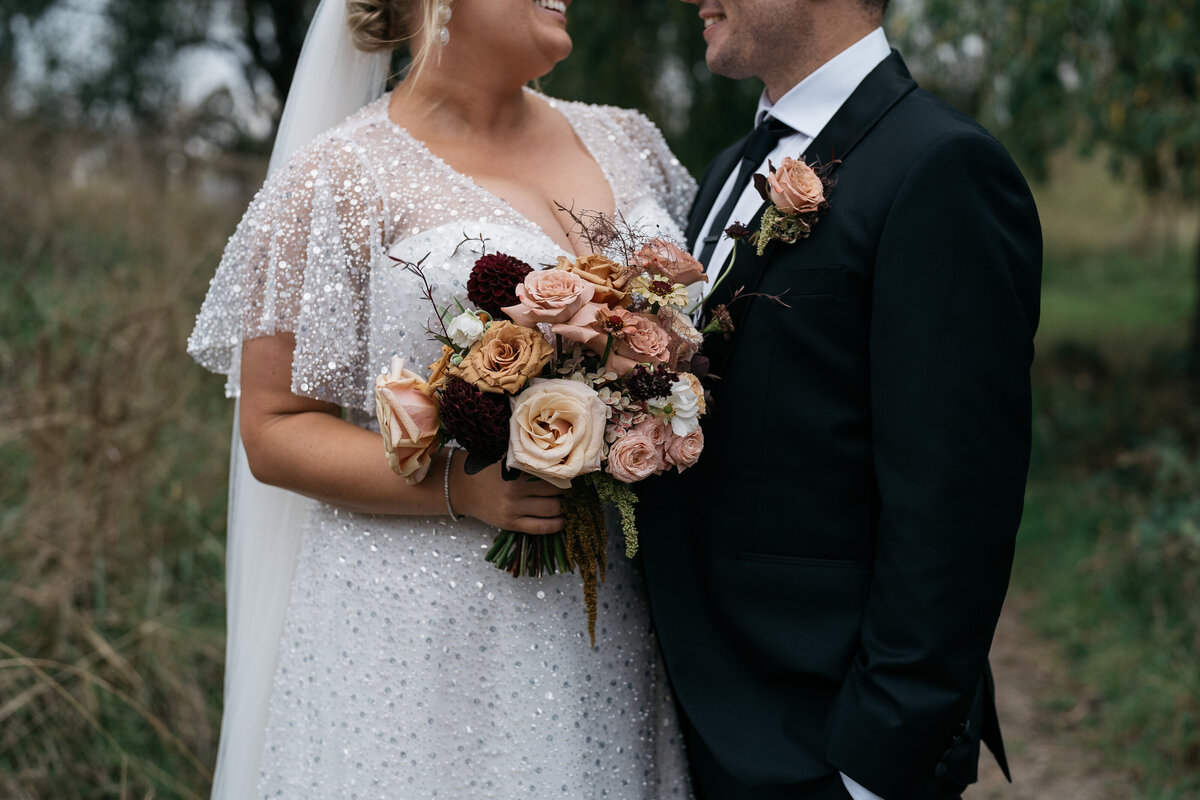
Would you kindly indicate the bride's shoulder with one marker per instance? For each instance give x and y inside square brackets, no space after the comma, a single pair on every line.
[351,146]
[629,122]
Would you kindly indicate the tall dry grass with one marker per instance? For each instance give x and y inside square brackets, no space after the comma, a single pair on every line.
[112,475]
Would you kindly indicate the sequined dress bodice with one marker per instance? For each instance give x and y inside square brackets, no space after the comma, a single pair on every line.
[408,666]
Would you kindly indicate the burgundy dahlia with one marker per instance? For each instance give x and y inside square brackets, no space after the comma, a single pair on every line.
[477,420]
[645,382]
[737,231]
[493,282]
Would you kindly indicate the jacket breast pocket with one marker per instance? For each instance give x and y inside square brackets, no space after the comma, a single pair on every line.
[794,280]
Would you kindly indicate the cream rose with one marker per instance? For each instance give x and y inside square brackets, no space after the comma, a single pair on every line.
[685,340]
[683,451]
[557,430]
[504,358]
[634,457]
[408,420]
[661,257]
[795,188]
[549,296]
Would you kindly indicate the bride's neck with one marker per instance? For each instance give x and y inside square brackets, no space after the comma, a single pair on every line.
[448,106]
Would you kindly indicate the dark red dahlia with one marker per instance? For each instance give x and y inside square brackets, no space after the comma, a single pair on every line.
[737,231]
[493,282]
[645,382]
[477,420]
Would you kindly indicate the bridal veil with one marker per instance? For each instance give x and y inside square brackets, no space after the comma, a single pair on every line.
[333,79]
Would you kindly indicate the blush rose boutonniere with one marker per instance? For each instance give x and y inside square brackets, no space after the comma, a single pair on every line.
[797,195]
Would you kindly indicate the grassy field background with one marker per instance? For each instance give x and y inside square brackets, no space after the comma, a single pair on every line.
[114,450]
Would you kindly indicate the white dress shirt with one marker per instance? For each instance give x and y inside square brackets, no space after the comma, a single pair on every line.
[807,108]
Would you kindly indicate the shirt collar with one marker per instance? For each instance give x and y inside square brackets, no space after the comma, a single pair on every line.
[809,105]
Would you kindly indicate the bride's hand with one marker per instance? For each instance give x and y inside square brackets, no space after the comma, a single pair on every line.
[529,505]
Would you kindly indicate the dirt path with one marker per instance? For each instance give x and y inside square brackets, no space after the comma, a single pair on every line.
[1040,714]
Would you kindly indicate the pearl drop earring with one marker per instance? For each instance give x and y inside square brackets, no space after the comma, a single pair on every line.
[445,12]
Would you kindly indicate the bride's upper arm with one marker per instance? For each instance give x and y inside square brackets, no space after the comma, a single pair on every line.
[267,399]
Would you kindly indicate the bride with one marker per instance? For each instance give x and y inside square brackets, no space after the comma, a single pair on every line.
[372,651]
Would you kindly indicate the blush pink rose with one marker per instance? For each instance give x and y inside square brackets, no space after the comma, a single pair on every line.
[661,257]
[657,431]
[683,451]
[550,296]
[795,188]
[408,420]
[633,457]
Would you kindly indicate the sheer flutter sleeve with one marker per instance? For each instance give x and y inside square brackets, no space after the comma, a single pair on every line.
[672,185]
[300,262]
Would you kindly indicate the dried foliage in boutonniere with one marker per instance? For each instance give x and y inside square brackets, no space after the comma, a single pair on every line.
[797,195]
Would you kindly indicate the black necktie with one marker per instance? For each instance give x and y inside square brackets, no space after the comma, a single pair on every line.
[758,146]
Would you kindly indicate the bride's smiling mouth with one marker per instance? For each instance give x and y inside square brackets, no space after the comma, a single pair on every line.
[557,6]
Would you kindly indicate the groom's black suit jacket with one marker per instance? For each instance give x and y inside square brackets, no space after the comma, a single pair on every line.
[827,579]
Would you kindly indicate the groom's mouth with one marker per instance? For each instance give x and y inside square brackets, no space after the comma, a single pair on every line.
[710,20]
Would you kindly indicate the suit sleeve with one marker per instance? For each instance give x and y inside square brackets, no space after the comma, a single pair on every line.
[954,311]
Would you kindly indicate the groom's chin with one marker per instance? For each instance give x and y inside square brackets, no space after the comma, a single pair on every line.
[720,64]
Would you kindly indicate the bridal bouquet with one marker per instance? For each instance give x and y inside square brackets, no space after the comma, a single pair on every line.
[577,373]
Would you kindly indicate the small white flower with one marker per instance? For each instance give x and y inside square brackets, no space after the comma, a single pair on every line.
[465,329]
[685,406]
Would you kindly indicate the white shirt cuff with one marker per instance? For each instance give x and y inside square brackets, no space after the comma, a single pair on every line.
[856,791]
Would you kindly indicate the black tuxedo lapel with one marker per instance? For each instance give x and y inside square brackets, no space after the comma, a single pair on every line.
[710,186]
[883,87]
[874,97]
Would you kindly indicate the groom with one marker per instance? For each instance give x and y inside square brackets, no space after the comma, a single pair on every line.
[827,580]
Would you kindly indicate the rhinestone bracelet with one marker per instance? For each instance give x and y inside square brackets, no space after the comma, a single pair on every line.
[446,483]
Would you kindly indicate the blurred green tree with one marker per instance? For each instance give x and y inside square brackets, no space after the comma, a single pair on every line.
[627,52]
[14,15]
[132,75]
[1119,75]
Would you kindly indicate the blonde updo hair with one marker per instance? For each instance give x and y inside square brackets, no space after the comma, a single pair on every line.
[383,25]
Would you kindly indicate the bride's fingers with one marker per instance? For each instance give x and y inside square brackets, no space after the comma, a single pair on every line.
[540,526]
[543,489]
[541,507]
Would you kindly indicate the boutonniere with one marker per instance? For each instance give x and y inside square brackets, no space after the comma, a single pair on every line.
[797,195]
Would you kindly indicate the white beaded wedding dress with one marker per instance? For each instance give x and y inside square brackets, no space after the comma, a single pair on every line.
[408,667]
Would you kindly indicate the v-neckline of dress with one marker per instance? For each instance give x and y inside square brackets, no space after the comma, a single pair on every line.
[462,176]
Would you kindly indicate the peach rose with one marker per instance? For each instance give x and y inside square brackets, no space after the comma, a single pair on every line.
[646,343]
[661,257]
[683,451]
[408,420]
[633,457]
[795,188]
[549,296]
[609,277]
[557,430]
[505,358]
[642,341]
